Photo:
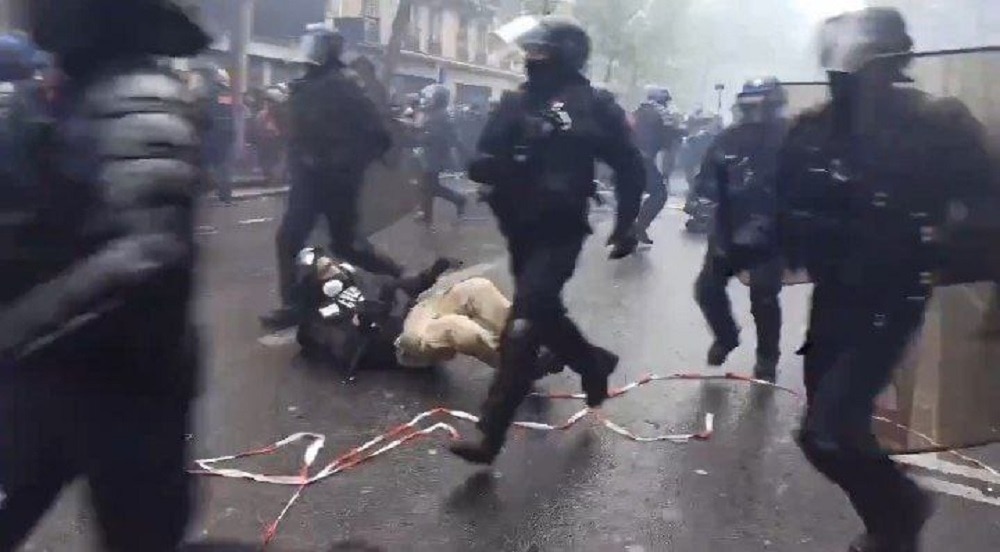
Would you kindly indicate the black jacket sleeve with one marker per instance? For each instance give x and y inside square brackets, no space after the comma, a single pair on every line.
[131,142]
[358,106]
[498,134]
[706,182]
[618,150]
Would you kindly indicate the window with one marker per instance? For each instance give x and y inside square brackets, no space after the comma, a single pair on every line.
[434,31]
[462,40]
[412,41]
[372,17]
[481,55]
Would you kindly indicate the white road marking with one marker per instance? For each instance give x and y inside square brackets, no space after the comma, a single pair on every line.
[932,462]
[256,220]
[956,489]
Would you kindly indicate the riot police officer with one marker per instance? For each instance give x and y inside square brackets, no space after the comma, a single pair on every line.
[336,132]
[738,174]
[657,132]
[862,203]
[98,353]
[439,143]
[537,156]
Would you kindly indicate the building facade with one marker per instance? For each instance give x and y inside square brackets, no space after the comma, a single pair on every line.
[447,41]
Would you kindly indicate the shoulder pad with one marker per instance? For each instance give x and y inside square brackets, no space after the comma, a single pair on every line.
[511,95]
[952,112]
[603,95]
[510,98]
[812,116]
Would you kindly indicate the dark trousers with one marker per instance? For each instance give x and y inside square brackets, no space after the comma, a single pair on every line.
[130,449]
[656,200]
[765,286]
[538,317]
[332,194]
[431,188]
[221,174]
[852,348]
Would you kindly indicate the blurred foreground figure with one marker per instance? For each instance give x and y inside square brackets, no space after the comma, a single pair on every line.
[98,355]
[738,175]
[336,132]
[537,157]
[439,141]
[867,181]
[658,132]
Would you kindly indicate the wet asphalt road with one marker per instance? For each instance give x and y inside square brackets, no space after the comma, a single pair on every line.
[748,489]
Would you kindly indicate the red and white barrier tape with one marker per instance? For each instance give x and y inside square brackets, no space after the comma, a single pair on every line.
[410,431]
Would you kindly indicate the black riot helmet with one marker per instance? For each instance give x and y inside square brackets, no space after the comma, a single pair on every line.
[322,45]
[864,53]
[88,30]
[658,94]
[863,40]
[553,40]
[761,100]
[435,96]
[19,58]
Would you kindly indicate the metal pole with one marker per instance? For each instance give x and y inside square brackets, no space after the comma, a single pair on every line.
[241,43]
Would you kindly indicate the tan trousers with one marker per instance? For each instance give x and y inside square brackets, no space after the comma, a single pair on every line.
[465,320]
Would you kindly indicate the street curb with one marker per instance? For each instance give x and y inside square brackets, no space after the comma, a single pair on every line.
[267,192]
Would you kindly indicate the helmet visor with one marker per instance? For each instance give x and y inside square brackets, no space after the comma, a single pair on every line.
[851,41]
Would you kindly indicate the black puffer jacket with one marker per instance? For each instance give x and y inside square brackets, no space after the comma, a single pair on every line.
[97,259]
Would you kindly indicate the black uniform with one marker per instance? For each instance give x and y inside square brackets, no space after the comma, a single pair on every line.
[336,133]
[655,132]
[862,201]
[538,152]
[98,353]
[746,155]
[439,142]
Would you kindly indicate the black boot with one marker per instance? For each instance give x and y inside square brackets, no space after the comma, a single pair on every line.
[549,363]
[643,236]
[896,518]
[903,533]
[511,384]
[719,351]
[482,451]
[766,368]
[594,380]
